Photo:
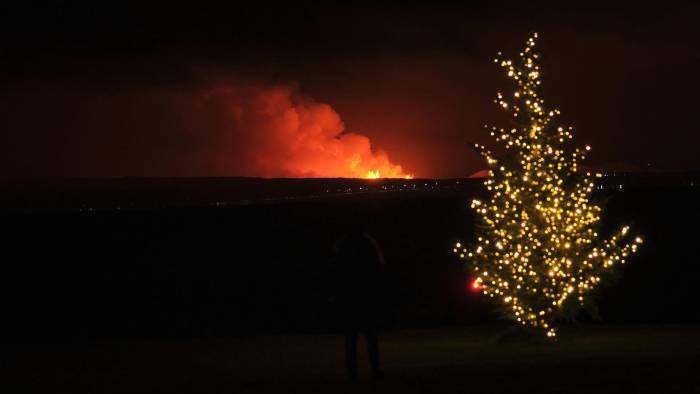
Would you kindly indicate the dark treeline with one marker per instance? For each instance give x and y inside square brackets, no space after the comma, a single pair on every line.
[261,268]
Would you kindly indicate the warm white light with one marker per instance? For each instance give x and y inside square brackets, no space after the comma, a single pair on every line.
[539,224]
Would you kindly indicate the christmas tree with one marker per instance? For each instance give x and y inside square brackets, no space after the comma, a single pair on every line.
[538,252]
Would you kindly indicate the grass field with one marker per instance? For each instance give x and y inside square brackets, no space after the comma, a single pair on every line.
[591,359]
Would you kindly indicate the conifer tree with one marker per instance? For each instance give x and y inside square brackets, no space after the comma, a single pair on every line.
[538,253]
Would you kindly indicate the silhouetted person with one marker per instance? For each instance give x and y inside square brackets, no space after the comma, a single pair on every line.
[357,264]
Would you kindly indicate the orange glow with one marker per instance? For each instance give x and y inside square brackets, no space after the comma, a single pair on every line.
[375,174]
[273,131]
[372,174]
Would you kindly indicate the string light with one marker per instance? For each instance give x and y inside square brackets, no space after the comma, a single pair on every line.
[538,252]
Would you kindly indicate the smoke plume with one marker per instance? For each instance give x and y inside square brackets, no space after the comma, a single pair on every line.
[272,131]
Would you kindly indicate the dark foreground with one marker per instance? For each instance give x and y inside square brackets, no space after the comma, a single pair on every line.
[262,268]
[594,359]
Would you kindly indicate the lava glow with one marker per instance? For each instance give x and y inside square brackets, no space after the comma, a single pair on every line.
[375,174]
[372,174]
[272,131]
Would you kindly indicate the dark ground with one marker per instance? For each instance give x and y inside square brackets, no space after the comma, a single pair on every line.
[261,268]
[235,299]
[591,359]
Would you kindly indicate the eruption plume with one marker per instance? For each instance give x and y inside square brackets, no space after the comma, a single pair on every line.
[272,131]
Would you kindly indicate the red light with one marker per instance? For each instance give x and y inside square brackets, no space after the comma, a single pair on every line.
[475,284]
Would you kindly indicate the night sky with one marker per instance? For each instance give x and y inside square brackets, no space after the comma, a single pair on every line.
[166,89]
